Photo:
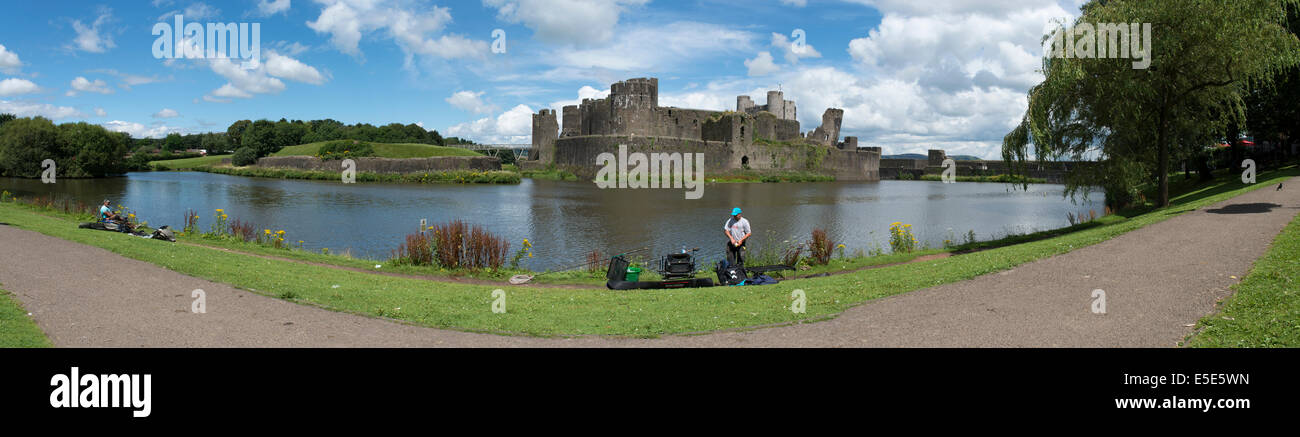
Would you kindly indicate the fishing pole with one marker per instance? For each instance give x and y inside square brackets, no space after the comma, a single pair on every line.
[523,279]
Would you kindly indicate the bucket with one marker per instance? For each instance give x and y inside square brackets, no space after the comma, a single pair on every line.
[633,274]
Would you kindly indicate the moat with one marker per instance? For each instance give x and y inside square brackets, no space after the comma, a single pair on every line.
[566,220]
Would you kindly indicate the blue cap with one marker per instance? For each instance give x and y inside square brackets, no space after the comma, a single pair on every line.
[735,211]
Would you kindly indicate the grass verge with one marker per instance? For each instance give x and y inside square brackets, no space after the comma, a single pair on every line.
[551,312]
[16,328]
[187,163]
[1265,310]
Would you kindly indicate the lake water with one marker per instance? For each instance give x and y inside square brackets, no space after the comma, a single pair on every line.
[566,220]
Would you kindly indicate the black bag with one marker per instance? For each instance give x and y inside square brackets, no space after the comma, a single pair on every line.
[730,275]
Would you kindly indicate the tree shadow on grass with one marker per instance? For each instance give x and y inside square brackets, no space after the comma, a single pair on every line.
[1245,208]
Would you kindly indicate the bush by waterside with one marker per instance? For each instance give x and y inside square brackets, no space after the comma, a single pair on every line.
[449,176]
[345,149]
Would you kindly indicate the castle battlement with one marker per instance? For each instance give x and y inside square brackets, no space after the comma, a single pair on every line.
[632,111]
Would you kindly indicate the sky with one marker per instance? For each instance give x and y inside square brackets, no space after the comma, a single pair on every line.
[909,75]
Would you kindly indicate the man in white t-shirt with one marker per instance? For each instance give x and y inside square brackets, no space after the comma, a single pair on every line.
[738,232]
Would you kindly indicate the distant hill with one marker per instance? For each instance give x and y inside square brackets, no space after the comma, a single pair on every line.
[920,156]
[906,156]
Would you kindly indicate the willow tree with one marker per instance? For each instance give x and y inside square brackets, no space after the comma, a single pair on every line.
[1132,114]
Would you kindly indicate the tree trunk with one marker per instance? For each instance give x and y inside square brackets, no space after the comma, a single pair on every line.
[1163,166]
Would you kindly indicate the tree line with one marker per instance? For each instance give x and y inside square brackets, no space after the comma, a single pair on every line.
[87,150]
[78,149]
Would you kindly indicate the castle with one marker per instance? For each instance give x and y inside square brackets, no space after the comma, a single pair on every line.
[752,137]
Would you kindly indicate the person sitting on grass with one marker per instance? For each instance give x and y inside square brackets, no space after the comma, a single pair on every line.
[106,215]
[737,230]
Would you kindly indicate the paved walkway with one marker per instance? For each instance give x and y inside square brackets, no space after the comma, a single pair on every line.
[1158,280]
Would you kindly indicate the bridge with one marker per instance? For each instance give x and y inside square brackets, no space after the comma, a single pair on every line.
[519,150]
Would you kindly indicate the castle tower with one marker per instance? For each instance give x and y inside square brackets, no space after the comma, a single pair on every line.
[572,126]
[776,103]
[545,132]
[632,106]
[744,104]
[828,134]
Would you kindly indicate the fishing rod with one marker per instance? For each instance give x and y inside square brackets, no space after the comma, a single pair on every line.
[523,279]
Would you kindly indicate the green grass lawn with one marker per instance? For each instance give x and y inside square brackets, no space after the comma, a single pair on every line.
[547,312]
[1265,311]
[187,163]
[16,328]
[384,150]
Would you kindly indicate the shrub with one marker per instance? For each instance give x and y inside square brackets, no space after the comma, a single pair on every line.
[820,247]
[459,246]
[417,250]
[901,239]
[344,150]
[244,156]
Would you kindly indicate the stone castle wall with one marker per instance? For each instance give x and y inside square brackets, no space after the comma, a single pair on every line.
[578,155]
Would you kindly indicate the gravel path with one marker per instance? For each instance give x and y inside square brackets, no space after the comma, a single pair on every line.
[1158,280]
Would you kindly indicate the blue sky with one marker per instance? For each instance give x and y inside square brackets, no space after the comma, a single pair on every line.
[910,75]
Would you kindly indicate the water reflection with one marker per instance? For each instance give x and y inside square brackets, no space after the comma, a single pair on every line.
[565,220]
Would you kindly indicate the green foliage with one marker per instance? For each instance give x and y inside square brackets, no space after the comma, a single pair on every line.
[78,149]
[236,132]
[244,156]
[344,150]
[1206,56]
[260,137]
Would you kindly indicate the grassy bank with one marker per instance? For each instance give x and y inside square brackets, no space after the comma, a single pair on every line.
[543,311]
[1265,311]
[450,176]
[770,176]
[552,174]
[1003,178]
[187,163]
[16,328]
[384,150]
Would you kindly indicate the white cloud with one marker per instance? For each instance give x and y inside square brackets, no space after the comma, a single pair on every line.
[84,85]
[761,65]
[793,52]
[128,80]
[289,68]
[265,79]
[795,3]
[586,92]
[576,22]
[9,62]
[272,7]
[657,48]
[201,11]
[938,74]
[166,113]
[511,127]
[15,86]
[100,112]
[91,38]
[30,109]
[347,21]
[137,130]
[470,101]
